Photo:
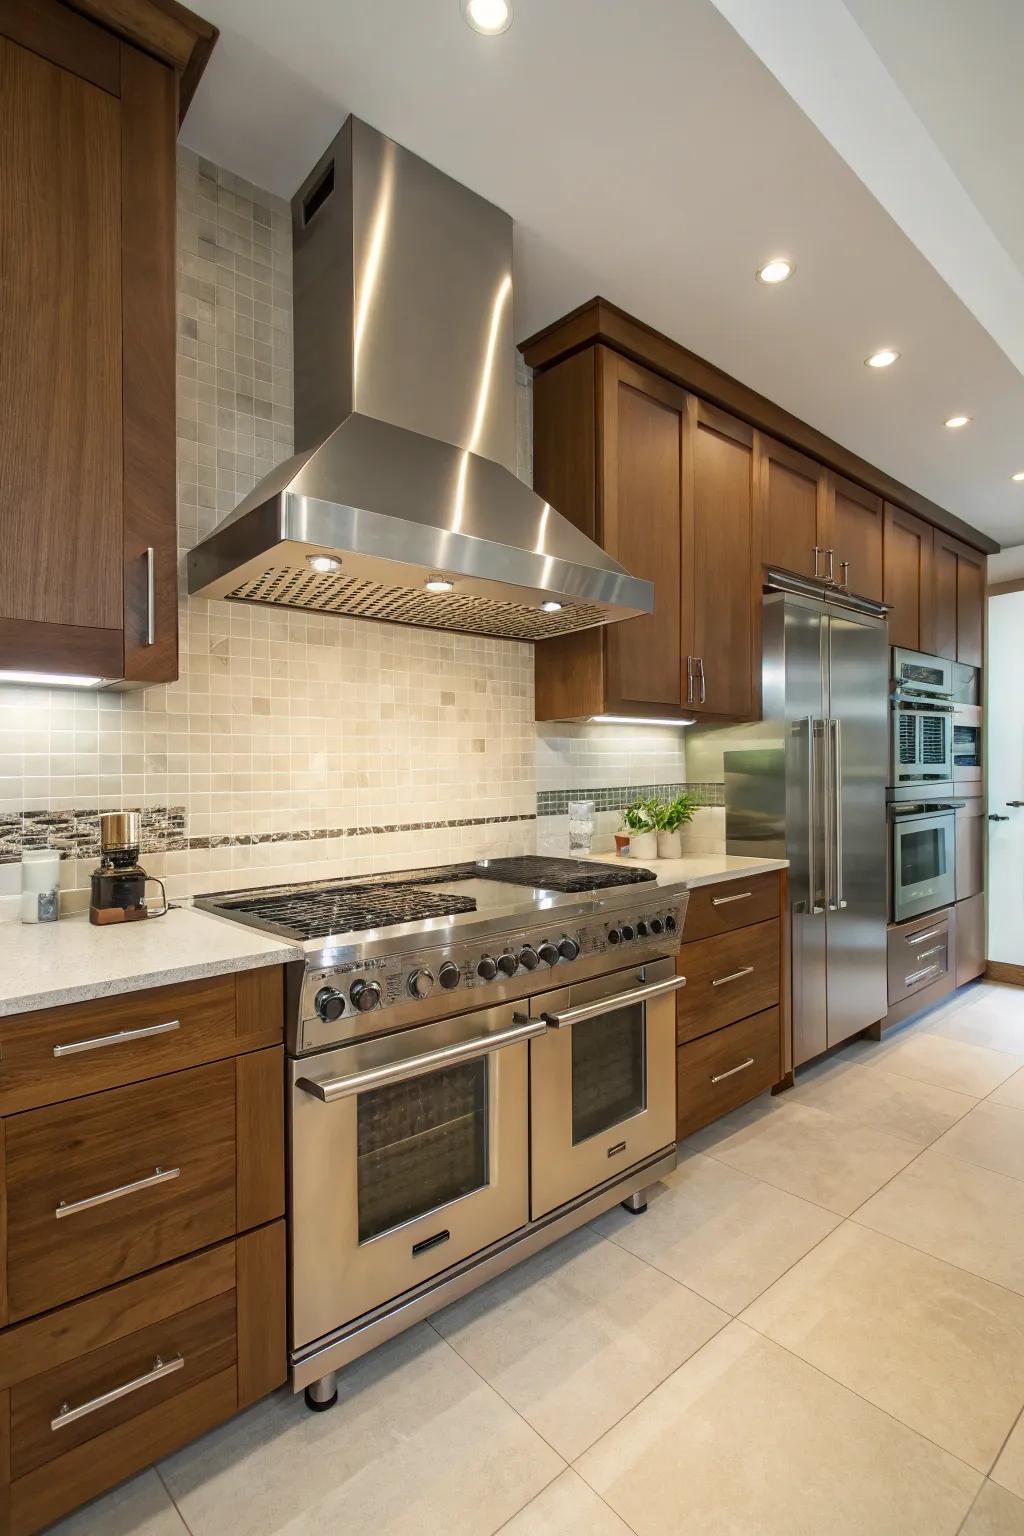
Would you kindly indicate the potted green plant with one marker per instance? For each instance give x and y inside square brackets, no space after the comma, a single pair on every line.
[639,821]
[669,817]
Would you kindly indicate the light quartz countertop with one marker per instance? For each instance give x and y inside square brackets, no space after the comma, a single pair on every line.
[45,965]
[698,868]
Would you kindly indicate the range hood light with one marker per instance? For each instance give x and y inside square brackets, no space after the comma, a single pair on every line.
[550,606]
[638,720]
[50,679]
[439,584]
[325,564]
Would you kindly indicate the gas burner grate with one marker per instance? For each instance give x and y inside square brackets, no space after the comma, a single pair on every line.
[313,914]
[563,874]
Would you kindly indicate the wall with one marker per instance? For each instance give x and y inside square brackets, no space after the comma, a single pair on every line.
[1004,757]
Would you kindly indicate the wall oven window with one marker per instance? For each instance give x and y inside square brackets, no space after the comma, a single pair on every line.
[609,1072]
[923,862]
[923,855]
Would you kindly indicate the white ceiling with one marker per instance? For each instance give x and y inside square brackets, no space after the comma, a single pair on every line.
[647,153]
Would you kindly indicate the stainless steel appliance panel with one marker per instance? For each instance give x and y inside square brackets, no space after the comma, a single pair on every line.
[915,672]
[923,862]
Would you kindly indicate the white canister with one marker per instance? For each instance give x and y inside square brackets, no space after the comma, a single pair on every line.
[40,885]
[670,844]
[643,845]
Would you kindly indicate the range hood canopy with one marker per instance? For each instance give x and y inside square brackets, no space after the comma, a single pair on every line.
[405,424]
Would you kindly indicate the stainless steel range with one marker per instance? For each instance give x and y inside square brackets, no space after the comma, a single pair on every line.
[481,1058]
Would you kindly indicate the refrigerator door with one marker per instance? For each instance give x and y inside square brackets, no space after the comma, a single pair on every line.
[856,743]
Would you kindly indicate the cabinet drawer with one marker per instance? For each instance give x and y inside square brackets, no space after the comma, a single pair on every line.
[715,909]
[60,1053]
[918,956]
[106,1186]
[721,1071]
[727,978]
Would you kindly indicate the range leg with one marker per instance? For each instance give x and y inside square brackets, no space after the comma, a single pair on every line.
[636,1204]
[323,1394]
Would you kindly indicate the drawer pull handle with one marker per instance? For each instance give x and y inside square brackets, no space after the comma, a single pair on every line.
[933,933]
[927,954]
[721,1076]
[929,970]
[723,901]
[161,1368]
[748,970]
[158,1176]
[120,1038]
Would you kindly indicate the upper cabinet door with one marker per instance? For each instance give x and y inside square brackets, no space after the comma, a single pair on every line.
[854,535]
[641,422]
[790,490]
[720,575]
[908,581]
[959,585]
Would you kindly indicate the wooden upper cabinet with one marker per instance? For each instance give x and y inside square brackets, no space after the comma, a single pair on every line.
[959,596]
[853,537]
[908,579]
[790,490]
[719,565]
[87,460]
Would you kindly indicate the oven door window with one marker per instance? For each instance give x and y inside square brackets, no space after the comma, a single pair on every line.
[922,856]
[609,1071]
[422,1143]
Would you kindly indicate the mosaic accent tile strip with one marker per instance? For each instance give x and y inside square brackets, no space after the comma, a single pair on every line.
[75,834]
[317,834]
[555,802]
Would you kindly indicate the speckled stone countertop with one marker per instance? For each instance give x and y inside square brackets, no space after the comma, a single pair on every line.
[47,964]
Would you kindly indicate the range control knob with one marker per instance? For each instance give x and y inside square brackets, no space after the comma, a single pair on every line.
[614,936]
[670,924]
[421,983]
[529,958]
[568,949]
[657,926]
[642,930]
[628,932]
[449,975]
[487,969]
[329,1004]
[548,952]
[508,965]
[365,995]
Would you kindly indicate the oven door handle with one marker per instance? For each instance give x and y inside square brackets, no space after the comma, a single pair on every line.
[613,1004]
[418,1066]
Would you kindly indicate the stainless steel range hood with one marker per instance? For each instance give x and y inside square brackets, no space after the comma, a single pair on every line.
[405,424]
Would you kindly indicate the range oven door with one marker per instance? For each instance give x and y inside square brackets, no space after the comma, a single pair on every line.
[923,863]
[602,1080]
[409,1153]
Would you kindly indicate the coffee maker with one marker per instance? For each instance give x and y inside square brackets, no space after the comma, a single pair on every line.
[119,884]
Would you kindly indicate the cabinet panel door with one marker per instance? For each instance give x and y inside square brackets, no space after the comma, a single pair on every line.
[960,574]
[642,421]
[908,579]
[60,345]
[856,536]
[789,487]
[723,572]
[944,564]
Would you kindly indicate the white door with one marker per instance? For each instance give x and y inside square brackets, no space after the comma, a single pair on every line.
[1005,758]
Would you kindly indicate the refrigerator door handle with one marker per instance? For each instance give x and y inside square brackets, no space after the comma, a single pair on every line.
[838,899]
[812,820]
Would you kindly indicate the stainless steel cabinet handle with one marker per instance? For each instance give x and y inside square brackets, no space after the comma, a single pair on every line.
[831,564]
[689,679]
[927,954]
[418,1066]
[721,1076]
[929,970]
[844,580]
[601,1005]
[74,1047]
[748,970]
[920,938]
[818,552]
[161,1368]
[150,596]
[700,675]
[158,1176]
[723,901]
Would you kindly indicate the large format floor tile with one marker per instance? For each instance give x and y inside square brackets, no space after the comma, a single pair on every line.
[577,1335]
[940,1349]
[992,1136]
[808,1153]
[139,1508]
[1009,1469]
[957,1211]
[933,1058]
[747,1440]
[880,1100]
[1011,1092]
[569,1507]
[719,1231]
[996,1023]
[995,1513]
[418,1443]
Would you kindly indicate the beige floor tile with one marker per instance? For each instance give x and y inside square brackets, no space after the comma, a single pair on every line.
[938,1348]
[139,1508]
[992,1135]
[882,1100]
[933,1058]
[1008,1471]
[995,994]
[719,1231]
[568,1507]
[996,1024]
[995,1513]
[577,1335]
[809,1153]
[418,1443]
[1011,1092]
[959,1212]
[747,1440]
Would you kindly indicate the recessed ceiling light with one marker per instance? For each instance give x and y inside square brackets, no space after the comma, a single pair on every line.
[882,359]
[324,563]
[956,421]
[1018,476]
[438,584]
[50,679]
[550,606]
[776,270]
[488,16]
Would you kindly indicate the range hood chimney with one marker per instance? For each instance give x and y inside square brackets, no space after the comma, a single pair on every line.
[405,424]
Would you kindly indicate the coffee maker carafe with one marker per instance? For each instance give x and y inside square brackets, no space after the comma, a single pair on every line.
[119,884]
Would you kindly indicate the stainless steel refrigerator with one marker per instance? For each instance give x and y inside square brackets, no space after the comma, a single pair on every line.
[814,793]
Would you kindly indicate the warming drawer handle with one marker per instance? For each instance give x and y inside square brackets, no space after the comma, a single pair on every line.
[933,933]
[927,953]
[721,1076]
[929,970]
[748,970]
[158,1176]
[120,1038]
[613,1004]
[723,901]
[161,1368]
[418,1066]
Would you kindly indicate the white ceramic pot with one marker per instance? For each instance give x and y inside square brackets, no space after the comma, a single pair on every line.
[670,845]
[643,845]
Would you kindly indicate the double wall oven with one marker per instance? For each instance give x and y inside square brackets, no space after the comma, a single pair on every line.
[922,802]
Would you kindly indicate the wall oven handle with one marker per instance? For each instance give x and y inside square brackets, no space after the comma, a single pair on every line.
[613,1004]
[418,1066]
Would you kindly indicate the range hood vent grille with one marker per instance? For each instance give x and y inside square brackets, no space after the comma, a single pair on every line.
[291,587]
